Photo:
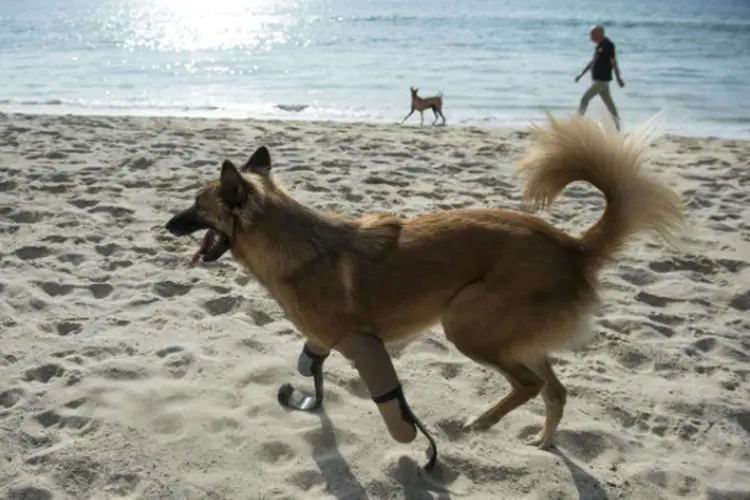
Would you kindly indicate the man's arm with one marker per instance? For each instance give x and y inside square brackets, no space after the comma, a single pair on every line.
[585,70]
[617,72]
[613,60]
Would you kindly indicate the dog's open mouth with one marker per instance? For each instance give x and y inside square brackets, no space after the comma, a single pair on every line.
[213,246]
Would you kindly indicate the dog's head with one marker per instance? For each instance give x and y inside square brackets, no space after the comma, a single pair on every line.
[413,91]
[235,197]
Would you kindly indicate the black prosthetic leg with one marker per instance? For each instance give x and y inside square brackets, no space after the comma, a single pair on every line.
[309,364]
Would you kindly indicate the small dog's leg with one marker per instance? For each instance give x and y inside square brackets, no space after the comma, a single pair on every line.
[309,364]
[421,117]
[407,116]
[374,364]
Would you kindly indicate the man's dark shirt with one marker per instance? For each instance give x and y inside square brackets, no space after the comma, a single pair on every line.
[602,69]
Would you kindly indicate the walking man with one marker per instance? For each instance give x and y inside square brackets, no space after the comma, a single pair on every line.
[601,66]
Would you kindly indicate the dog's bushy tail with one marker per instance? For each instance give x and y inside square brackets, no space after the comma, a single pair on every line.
[578,149]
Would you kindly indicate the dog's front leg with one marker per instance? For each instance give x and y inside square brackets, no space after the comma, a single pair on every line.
[309,364]
[407,116]
[375,367]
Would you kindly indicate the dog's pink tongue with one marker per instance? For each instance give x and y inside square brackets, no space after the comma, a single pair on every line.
[196,257]
[204,246]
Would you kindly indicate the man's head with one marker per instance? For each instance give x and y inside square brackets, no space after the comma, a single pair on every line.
[597,33]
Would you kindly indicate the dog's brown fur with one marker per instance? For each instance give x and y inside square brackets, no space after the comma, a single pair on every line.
[435,103]
[507,287]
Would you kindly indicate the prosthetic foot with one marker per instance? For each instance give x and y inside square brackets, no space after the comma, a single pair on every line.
[376,369]
[309,364]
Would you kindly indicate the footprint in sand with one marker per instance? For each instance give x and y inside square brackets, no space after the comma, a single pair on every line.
[305,480]
[168,289]
[29,493]
[448,370]
[654,300]
[8,186]
[122,484]
[136,164]
[479,473]
[121,214]
[100,290]
[75,259]
[452,428]
[26,216]
[275,451]
[260,318]
[32,252]
[11,397]
[76,475]
[55,238]
[221,305]
[177,361]
[741,301]
[65,328]
[107,250]
[55,289]
[50,418]
[44,373]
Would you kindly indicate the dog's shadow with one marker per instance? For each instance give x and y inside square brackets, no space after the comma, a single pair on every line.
[334,468]
[589,488]
[344,485]
[411,476]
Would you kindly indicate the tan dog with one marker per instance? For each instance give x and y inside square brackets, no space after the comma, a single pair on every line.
[507,287]
[435,103]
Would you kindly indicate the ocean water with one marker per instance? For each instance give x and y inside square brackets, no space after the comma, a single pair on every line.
[497,62]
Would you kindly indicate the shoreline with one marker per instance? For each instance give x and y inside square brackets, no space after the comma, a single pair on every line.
[354,122]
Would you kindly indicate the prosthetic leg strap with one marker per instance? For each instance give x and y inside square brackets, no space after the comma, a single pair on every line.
[408,415]
[309,361]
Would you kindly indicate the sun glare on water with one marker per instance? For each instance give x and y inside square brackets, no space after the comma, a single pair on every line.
[194,25]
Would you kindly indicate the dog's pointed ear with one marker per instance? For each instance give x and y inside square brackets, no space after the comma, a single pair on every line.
[233,187]
[259,162]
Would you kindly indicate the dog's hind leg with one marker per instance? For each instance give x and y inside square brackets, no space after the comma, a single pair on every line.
[555,395]
[440,111]
[473,324]
[525,385]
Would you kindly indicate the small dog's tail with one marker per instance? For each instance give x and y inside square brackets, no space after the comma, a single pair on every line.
[578,149]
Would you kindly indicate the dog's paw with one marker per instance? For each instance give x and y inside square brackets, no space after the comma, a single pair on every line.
[541,441]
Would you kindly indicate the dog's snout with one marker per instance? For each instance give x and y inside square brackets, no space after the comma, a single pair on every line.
[185,223]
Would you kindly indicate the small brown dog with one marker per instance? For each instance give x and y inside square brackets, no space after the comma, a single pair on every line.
[435,103]
[508,288]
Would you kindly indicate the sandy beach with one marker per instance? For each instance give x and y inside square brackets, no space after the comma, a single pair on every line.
[127,373]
